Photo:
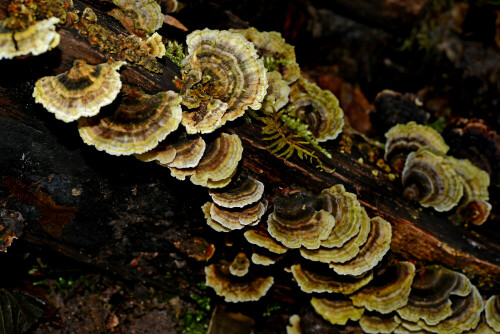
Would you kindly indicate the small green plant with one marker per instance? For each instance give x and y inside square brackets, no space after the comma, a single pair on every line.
[270,63]
[175,52]
[195,321]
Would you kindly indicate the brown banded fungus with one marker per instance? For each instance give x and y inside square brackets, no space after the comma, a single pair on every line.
[212,223]
[277,93]
[218,164]
[389,291]
[430,178]
[313,281]
[221,78]
[378,323]
[429,298]
[145,14]
[238,218]
[482,327]
[318,108]
[492,312]
[265,259]
[236,289]
[138,124]
[155,46]
[337,312]
[239,266]
[372,251]
[184,152]
[35,39]
[243,191]
[277,54]
[298,221]
[405,138]
[262,239]
[81,91]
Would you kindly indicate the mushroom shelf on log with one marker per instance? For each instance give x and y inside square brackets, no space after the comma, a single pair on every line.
[34,147]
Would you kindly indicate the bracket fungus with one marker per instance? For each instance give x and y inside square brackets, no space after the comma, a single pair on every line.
[389,291]
[262,239]
[138,124]
[155,46]
[298,221]
[317,107]
[429,298]
[492,312]
[378,323]
[430,178]
[145,14]
[244,191]
[218,164]
[313,281]
[233,288]
[236,219]
[405,138]
[35,39]
[277,93]
[277,54]
[81,91]
[221,78]
[337,312]
[265,259]
[239,266]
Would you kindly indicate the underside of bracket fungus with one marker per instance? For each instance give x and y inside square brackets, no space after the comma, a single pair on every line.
[218,164]
[393,108]
[279,55]
[378,323]
[429,299]
[492,311]
[243,191]
[277,93]
[430,178]
[233,288]
[222,77]
[318,108]
[405,138]
[81,91]
[262,239]
[33,40]
[313,281]
[138,124]
[298,221]
[337,312]
[239,266]
[145,14]
[389,291]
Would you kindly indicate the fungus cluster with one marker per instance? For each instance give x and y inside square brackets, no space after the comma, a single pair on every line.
[145,15]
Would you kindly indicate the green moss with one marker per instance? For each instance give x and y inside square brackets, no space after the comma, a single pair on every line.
[195,320]
[175,52]
[270,63]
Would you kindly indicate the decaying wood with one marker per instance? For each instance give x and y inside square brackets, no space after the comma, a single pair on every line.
[121,197]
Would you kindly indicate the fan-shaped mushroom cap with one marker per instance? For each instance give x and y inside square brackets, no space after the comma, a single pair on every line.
[312,281]
[295,221]
[212,223]
[272,45]
[239,266]
[405,138]
[430,292]
[139,123]
[277,93]
[155,46]
[81,91]
[466,312]
[34,40]
[337,312]
[262,239]
[146,14]
[482,327]
[218,164]
[236,289]
[230,73]
[242,192]
[387,292]
[430,178]
[238,218]
[265,259]
[348,214]
[318,108]
[348,251]
[475,181]
[475,211]
[492,312]
[181,153]
[294,327]
[371,253]
[378,323]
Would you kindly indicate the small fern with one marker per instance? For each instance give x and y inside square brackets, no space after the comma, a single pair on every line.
[270,63]
[175,52]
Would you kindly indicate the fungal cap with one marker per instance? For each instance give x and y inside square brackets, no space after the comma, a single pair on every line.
[277,93]
[239,266]
[211,120]
[371,253]
[392,294]
[236,219]
[244,191]
[34,40]
[345,253]
[492,312]
[265,260]
[378,323]
[475,211]
[482,327]
[262,239]
[155,46]
[210,222]
[429,177]
[81,91]
[337,312]
[317,107]
[181,153]
[475,181]
[312,281]
[344,206]
[294,327]
[405,138]
[236,289]
[140,122]
[146,13]
[233,73]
